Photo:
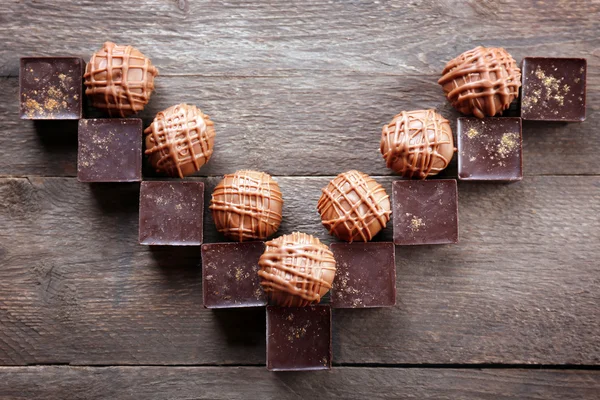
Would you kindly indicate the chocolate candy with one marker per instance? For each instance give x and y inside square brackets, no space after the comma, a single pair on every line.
[180,140]
[229,275]
[481,82]
[554,89]
[365,276]
[354,206]
[299,338]
[247,205]
[51,87]
[119,80]
[417,143]
[490,149]
[425,212]
[171,213]
[110,150]
[296,270]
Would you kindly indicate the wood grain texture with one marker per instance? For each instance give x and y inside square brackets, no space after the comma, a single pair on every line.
[521,286]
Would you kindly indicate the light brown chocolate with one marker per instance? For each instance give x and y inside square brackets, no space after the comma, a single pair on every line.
[354,207]
[416,144]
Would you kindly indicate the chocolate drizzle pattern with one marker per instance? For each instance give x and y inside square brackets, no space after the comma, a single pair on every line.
[354,206]
[296,270]
[247,205]
[417,143]
[180,140]
[482,82]
[119,79]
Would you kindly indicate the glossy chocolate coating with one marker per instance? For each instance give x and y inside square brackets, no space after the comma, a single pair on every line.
[299,338]
[425,212]
[417,144]
[354,206]
[365,276]
[296,270]
[230,275]
[554,89]
[51,87]
[180,140]
[490,149]
[110,150]
[481,82]
[171,213]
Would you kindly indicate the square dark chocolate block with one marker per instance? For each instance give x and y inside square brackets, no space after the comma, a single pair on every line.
[365,275]
[553,89]
[490,149]
[51,87]
[110,150]
[230,275]
[171,213]
[425,212]
[299,338]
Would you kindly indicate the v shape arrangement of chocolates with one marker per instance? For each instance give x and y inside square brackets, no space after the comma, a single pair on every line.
[291,274]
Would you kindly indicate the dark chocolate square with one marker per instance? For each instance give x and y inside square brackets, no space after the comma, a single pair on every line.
[425,212]
[230,275]
[365,275]
[51,87]
[553,89]
[171,213]
[299,338]
[489,149]
[110,150]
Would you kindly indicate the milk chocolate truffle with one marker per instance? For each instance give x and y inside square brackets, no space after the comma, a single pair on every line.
[119,79]
[180,140]
[296,270]
[354,206]
[481,82]
[417,144]
[247,205]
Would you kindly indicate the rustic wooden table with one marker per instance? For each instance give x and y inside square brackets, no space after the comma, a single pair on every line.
[299,89]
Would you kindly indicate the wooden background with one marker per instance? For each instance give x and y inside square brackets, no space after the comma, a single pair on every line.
[299,89]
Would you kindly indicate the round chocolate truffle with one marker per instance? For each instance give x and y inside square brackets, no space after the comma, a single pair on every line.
[481,82]
[296,270]
[247,205]
[180,140]
[354,206]
[417,143]
[119,79]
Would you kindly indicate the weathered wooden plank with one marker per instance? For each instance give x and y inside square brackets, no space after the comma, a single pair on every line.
[254,382]
[521,287]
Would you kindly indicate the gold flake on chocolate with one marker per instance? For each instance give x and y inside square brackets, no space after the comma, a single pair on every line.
[247,205]
[482,82]
[296,270]
[119,79]
[417,143]
[354,206]
[180,140]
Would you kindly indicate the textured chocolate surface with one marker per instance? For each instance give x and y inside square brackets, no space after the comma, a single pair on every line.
[230,275]
[481,82]
[110,150]
[247,205]
[554,89]
[354,206]
[296,270]
[171,213]
[180,140]
[299,338]
[417,143]
[365,276]
[51,87]
[490,149]
[425,212]
[119,80]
